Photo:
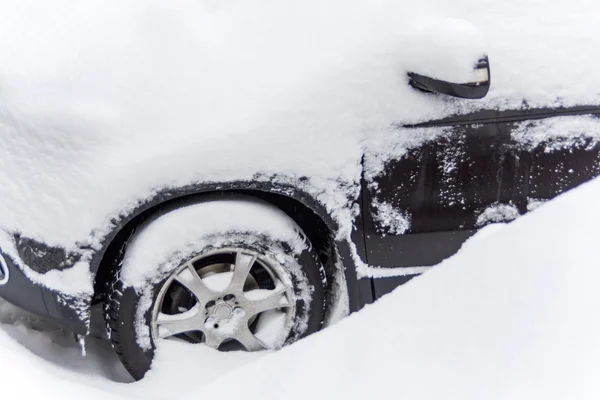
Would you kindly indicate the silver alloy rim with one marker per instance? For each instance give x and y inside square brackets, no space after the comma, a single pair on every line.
[229,313]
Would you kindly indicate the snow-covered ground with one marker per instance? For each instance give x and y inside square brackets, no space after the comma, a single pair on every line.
[513,315]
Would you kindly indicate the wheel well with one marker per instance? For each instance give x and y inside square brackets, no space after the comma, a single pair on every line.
[319,233]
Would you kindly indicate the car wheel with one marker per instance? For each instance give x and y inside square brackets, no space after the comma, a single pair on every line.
[230,274]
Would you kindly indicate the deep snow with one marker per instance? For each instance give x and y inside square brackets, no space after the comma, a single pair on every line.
[513,315]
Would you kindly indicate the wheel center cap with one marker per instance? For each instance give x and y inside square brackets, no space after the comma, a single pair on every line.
[223,311]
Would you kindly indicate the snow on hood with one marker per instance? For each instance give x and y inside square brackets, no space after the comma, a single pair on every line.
[104,102]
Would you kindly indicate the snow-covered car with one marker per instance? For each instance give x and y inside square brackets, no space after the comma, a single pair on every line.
[223,185]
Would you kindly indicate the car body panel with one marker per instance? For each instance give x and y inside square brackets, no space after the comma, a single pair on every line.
[443,187]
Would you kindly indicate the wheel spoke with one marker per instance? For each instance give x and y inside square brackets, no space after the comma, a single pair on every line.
[249,340]
[276,299]
[192,281]
[212,341]
[170,325]
[243,264]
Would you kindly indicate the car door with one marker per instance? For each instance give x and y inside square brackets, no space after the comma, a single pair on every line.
[466,173]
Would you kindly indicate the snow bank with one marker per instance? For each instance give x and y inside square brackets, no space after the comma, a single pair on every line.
[511,316]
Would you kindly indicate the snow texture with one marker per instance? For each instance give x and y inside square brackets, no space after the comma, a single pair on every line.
[558,133]
[533,204]
[497,212]
[338,306]
[166,242]
[386,272]
[515,325]
[395,143]
[75,282]
[391,219]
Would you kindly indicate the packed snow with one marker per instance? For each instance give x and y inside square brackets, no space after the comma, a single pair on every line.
[532,203]
[513,315]
[188,230]
[497,212]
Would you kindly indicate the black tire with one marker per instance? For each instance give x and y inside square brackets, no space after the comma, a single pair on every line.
[124,307]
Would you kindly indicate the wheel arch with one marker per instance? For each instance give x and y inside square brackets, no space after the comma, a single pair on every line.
[312,218]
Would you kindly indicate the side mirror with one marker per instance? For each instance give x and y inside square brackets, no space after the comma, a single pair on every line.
[476,88]
[449,58]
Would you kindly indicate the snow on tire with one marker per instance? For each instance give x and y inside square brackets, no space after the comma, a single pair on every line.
[235,274]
